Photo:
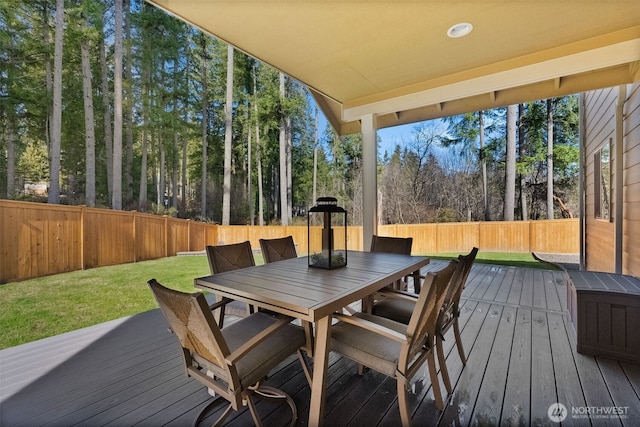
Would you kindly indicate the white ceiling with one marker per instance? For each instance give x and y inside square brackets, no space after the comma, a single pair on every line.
[394,60]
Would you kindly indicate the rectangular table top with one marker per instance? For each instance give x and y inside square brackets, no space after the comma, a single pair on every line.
[291,287]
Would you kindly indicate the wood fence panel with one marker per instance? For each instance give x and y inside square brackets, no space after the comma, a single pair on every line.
[425,238]
[109,237]
[557,236]
[232,234]
[198,235]
[151,237]
[38,240]
[504,236]
[177,236]
[458,237]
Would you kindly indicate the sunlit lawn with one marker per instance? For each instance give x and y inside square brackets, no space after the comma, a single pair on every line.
[46,306]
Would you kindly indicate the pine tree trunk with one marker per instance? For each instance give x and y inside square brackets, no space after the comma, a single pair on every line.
[116,198]
[205,120]
[108,134]
[315,161]
[56,124]
[10,135]
[485,192]
[284,218]
[90,142]
[521,145]
[258,155]
[128,109]
[510,173]
[250,198]
[549,159]
[228,112]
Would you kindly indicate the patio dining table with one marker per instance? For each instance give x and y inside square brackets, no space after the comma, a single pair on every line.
[292,288]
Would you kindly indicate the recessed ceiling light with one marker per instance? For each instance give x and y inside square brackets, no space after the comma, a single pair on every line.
[459,30]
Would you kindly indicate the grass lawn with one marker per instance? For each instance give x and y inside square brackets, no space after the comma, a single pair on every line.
[46,306]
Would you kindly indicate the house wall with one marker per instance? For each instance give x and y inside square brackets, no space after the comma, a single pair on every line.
[599,129]
[599,109]
[631,225]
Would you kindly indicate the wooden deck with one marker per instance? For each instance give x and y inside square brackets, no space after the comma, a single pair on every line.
[521,359]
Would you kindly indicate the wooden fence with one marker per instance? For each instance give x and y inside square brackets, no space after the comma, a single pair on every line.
[40,239]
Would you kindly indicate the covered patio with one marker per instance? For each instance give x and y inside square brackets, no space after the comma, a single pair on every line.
[519,342]
[376,64]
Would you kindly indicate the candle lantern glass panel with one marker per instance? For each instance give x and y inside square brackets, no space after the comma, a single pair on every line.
[327,234]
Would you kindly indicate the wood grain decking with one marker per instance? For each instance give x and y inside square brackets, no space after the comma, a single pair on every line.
[519,344]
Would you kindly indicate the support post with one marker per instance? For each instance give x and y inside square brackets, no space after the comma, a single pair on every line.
[369,179]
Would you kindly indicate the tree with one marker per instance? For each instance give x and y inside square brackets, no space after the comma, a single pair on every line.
[510,172]
[116,199]
[549,160]
[89,125]
[56,124]
[284,160]
[228,141]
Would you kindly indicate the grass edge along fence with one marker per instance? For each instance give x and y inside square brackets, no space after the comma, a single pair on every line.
[39,239]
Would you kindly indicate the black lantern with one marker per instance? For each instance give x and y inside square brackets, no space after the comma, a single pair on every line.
[327,234]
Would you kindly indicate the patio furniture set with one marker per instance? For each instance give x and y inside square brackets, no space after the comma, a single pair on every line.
[288,308]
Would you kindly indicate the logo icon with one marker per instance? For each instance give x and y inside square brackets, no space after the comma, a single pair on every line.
[557,412]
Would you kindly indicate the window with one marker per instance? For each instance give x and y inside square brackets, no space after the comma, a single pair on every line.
[602,182]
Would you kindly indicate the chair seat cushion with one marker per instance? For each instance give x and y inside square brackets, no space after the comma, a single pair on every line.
[366,347]
[399,310]
[265,356]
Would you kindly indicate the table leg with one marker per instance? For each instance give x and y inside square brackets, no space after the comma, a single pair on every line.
[320,364]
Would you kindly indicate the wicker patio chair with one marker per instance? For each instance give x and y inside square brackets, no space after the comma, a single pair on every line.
[278,249]
[231,361]
[396,349]
[401,310]
[230,257]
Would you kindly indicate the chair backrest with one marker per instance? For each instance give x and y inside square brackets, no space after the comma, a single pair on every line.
[230,257]
[278,249]
[453,293]
[422,324]
[392,245]
[457,284]
[192,322]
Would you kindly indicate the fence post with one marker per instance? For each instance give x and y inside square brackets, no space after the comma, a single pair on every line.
[135,236]
[82,266]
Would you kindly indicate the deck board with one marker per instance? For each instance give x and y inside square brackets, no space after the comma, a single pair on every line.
[520,348]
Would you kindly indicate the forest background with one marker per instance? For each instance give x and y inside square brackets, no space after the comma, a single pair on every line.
[115,104]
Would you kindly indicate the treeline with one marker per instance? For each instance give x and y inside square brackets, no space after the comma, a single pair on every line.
[113,103]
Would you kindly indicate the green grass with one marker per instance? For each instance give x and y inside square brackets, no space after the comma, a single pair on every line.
[47,306]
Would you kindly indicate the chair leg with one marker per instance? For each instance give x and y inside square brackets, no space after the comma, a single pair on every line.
[271,393]
[456,331]
[254,412]
[206,409]
[435,383]
[443,366]
[403,403]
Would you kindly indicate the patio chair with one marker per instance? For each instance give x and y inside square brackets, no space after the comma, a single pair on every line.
[393,245]
[231,361]
[223,258]
[278,249]
[396,349]
[401,309]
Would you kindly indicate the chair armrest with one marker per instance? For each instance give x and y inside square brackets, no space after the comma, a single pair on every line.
[393,293]
[371,326]
[241,351]
[218,304]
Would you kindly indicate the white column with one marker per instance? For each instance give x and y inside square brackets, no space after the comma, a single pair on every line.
[369,179]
